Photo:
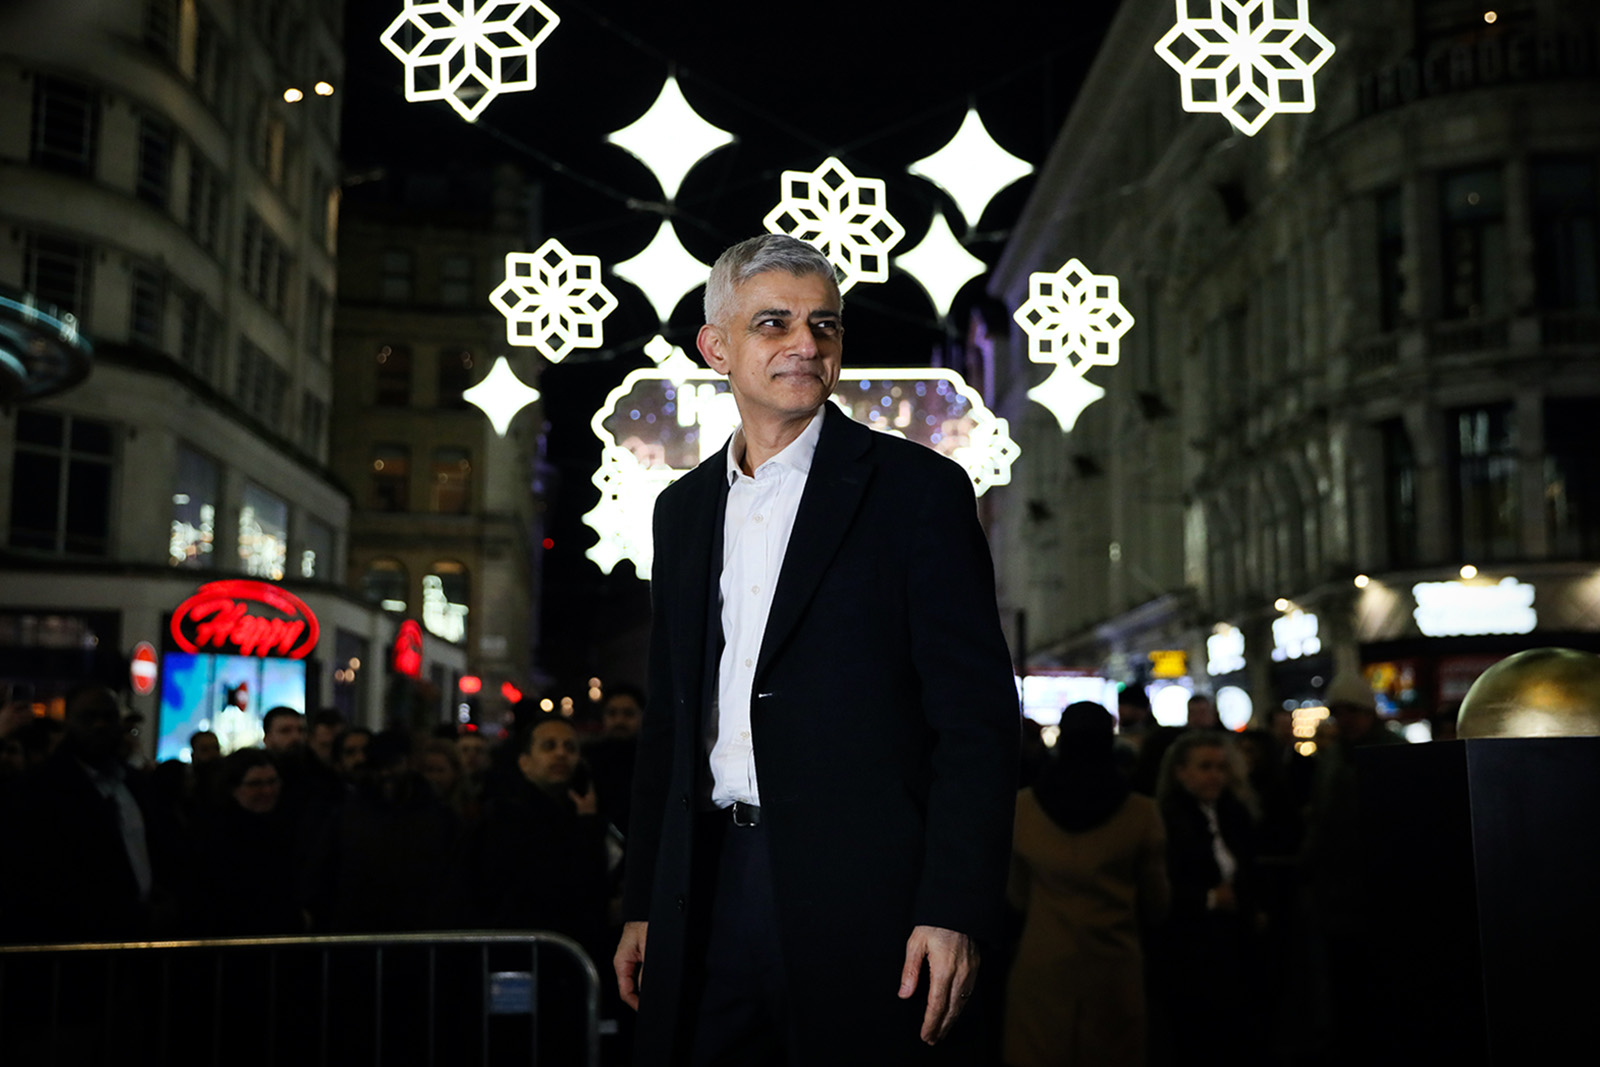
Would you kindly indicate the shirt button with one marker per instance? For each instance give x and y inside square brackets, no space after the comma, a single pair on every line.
[756,589]
[749,663]
[758,518]
[744,735]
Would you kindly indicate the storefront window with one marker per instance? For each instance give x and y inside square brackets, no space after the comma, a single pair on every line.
[263,533]
[194,510]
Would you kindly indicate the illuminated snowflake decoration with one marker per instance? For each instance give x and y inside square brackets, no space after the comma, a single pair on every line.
[1072,313]
[553,300]
[842,215]
[467,52]
[1245,61]
[500,395]
[972,168]
[670,138]
[662,422]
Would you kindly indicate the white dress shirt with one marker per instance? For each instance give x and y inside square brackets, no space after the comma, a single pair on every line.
[755,536]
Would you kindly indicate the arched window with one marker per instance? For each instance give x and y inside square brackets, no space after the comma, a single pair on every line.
[384,584]
[445,593]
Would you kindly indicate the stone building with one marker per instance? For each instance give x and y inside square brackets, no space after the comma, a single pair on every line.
[444,507]
[171,182]
[1353,424]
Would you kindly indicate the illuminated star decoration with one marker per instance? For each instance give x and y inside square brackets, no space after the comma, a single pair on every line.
[664,270]
[940,264]
[670,138]
[1072,313]
[500,395]
[661,422]
[553,300]
[1251,63]
[843,216]
[467,52]
[972,168]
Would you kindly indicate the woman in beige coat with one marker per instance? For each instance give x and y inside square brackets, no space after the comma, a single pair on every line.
[1088,869]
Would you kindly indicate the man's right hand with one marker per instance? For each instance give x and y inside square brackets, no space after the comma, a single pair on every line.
[628,960]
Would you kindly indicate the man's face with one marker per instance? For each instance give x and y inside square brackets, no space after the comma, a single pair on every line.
[205,748]
[287,732]
[552,755]
[258,792]
[353,753]
[780,344]
[321,742]
[474,752]
[1204,774]
[620,718]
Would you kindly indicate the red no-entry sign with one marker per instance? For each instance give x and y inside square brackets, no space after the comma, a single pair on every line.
[142,668]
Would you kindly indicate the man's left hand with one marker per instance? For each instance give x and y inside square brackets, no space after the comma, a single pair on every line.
[952,960]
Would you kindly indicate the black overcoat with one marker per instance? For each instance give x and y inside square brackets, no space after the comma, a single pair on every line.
[885,723]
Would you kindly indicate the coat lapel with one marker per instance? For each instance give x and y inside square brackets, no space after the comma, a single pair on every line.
[700,544]
[838,478]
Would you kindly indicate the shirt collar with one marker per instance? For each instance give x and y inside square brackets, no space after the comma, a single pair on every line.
[797,455]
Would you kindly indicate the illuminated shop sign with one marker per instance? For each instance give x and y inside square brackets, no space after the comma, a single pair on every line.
[245,618]
[408,649]
[1459,609]
[1169,663]
[1295,635]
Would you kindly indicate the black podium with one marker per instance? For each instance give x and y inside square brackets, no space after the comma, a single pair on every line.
[1483,869]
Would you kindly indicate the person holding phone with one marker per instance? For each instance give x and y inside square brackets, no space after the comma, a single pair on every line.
[543,856]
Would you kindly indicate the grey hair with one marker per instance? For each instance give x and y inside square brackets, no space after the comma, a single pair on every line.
[770,251]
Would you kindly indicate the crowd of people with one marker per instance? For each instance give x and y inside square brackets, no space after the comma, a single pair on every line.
[325,828]
[1189,894]
[1163,879]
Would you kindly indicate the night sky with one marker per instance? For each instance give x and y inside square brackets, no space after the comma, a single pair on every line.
[878,85]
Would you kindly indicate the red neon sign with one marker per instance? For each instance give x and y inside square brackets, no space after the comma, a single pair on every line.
[408,649]
[510,692]
[247,618]
[469,684]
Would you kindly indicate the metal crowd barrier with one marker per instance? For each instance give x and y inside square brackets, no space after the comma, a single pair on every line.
[398,999]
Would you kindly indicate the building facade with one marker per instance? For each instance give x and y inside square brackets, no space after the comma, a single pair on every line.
[444,508]
[1353,422]
[170,170]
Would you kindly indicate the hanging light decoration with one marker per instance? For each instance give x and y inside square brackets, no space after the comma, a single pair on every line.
[972,168]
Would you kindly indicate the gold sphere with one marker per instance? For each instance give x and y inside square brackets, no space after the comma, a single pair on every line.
[1543,692]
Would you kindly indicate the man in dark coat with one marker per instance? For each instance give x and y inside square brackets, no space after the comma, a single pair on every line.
[832,912]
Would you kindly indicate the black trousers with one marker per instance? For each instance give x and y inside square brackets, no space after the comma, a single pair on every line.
[739,1003]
